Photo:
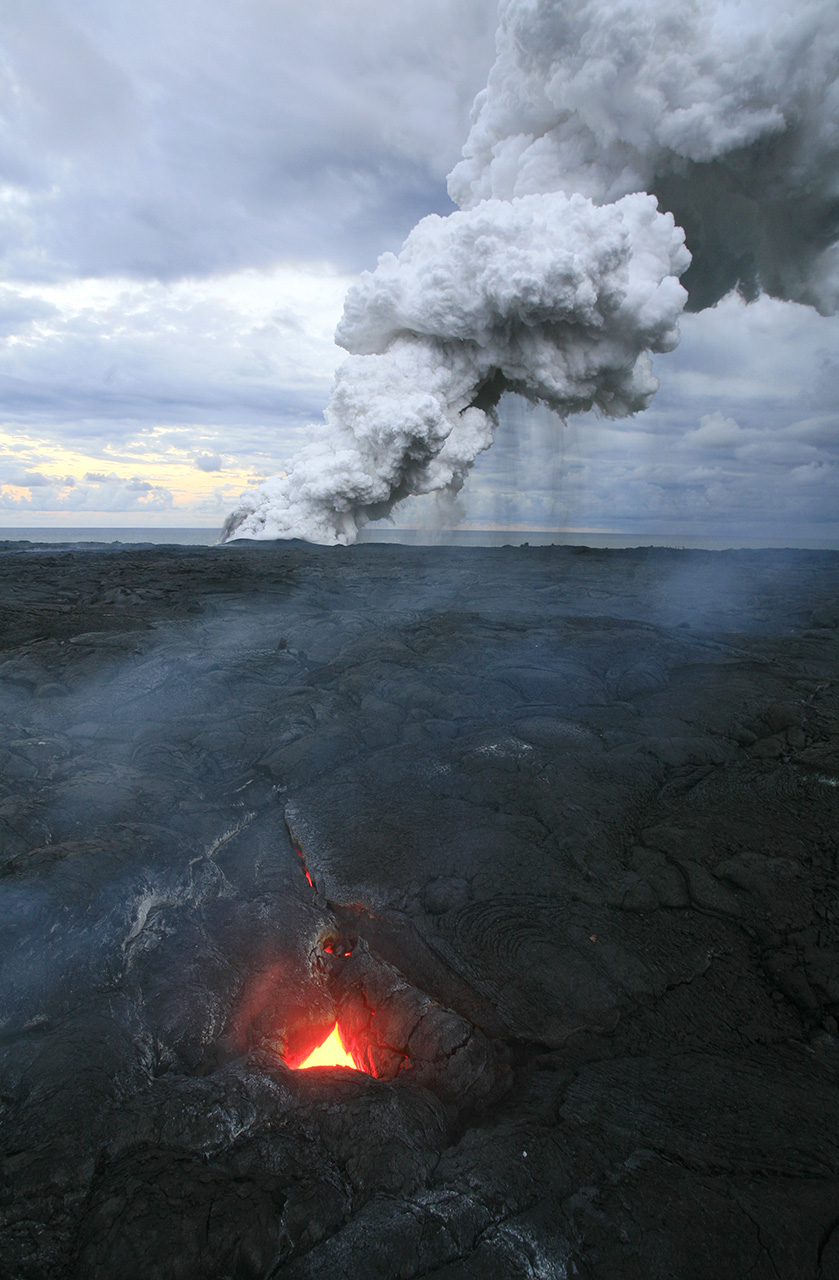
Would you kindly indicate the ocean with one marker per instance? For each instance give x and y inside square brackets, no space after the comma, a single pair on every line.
[208,537]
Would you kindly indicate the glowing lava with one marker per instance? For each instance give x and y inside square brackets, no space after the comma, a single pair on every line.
[299,853]
[330,1054]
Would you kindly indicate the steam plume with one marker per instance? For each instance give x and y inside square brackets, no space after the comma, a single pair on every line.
[726,109]
[559,274]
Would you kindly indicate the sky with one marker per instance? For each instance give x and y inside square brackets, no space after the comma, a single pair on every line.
[188,189]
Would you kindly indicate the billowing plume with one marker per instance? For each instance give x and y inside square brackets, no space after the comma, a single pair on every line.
[559,274]
[728,110]
[546,295]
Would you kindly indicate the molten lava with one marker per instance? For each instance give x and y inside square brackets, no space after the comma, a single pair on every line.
[299,853]
[329,1054]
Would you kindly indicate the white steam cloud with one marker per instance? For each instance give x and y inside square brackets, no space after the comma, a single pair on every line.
[728,110]
[560,274]
[547,295]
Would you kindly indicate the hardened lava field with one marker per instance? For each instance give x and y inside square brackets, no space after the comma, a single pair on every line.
[550,834]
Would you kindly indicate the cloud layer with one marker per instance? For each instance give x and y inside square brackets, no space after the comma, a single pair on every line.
[189,138]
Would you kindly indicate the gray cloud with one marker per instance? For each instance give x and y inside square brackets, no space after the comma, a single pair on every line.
[18,313]
[208,462]
[29,480]
[192,138]
[97,492]
[149,356]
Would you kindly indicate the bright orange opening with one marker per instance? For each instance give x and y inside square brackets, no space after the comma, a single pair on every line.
[329,1054]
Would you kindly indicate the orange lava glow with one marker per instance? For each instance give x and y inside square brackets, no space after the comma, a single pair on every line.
[299,853]
[329,1054]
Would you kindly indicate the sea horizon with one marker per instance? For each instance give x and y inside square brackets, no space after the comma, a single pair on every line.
[177,535]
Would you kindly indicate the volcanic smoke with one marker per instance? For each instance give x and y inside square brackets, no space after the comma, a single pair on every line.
[609,141]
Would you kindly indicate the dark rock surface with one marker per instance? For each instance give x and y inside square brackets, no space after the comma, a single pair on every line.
[571,822]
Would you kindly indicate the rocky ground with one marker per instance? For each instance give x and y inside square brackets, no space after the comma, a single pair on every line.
[571,822]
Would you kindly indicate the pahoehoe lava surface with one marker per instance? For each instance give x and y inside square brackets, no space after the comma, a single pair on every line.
[571,820]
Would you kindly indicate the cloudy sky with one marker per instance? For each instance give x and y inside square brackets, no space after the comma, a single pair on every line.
[188,188]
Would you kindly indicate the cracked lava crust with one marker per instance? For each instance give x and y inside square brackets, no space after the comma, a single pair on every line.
[544,840]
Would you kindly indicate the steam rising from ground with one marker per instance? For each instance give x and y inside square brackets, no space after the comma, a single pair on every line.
[559,275]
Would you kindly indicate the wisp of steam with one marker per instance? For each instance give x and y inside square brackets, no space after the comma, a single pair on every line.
[611,139]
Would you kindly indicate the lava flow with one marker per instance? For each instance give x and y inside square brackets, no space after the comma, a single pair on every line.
[306,873]
[330,1054]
